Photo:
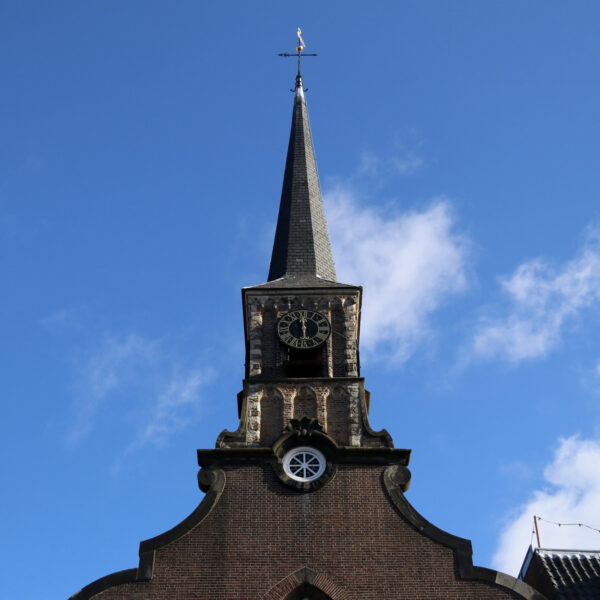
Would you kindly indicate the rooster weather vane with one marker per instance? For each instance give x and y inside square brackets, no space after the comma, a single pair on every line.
[299,49]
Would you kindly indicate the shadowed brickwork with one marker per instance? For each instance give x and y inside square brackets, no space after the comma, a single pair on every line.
[348,533]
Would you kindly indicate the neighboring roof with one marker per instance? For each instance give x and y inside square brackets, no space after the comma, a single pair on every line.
[563,574]
[301,249]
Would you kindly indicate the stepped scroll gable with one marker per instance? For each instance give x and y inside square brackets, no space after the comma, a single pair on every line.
[304,500]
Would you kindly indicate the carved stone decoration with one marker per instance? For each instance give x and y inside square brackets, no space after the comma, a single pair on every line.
[305,432]
[340,405]
[398,476]
[304,427]
[253,399]
[255,322]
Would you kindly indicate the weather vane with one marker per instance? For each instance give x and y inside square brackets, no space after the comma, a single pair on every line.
[299,49]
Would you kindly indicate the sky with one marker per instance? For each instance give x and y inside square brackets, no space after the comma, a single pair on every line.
[140,175]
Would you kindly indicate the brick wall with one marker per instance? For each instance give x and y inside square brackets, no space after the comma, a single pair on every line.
[305,403]
[338,423]
[271,422]
[261,531]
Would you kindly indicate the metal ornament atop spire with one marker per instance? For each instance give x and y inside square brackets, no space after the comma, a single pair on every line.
[301,44]
[299,49]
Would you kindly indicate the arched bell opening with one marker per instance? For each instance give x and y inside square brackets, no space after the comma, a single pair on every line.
[306,591]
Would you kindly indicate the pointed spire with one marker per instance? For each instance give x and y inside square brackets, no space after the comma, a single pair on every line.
[301,250]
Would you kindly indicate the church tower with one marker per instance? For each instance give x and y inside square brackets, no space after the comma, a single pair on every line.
[304,500]
[302,326]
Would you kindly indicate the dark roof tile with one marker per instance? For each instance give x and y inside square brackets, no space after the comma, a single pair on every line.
[301,249]
[564,574]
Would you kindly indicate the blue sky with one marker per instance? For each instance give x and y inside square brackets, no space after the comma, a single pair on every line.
[143,154]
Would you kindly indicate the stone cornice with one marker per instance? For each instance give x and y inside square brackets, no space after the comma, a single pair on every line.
[343,455]
[393,481]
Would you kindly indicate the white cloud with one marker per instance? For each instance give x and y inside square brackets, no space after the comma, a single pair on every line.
[409,265]
[173,408]
[571,496]
[543,300]
[138,376]
[58,319]
[407,164]
[369,164]
[402,162]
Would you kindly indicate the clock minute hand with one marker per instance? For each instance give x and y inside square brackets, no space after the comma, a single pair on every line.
[303,324]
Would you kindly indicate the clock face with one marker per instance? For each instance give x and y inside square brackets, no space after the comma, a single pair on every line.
[303,329]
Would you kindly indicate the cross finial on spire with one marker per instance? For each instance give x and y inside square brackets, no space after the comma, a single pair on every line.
[299,49]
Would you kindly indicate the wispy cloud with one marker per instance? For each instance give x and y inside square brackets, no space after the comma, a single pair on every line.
[404,163]
[572,495]
[57,320]
[409,263]
[139,376]
[173,408]
[116,362]
[543,298]
[408,163]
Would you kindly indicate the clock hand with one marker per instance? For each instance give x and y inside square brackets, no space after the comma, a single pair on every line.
[303,323]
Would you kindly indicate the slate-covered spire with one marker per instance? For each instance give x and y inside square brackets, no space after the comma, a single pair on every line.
[301,250]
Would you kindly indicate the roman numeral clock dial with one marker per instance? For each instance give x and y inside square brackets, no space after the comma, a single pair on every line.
[303,329]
